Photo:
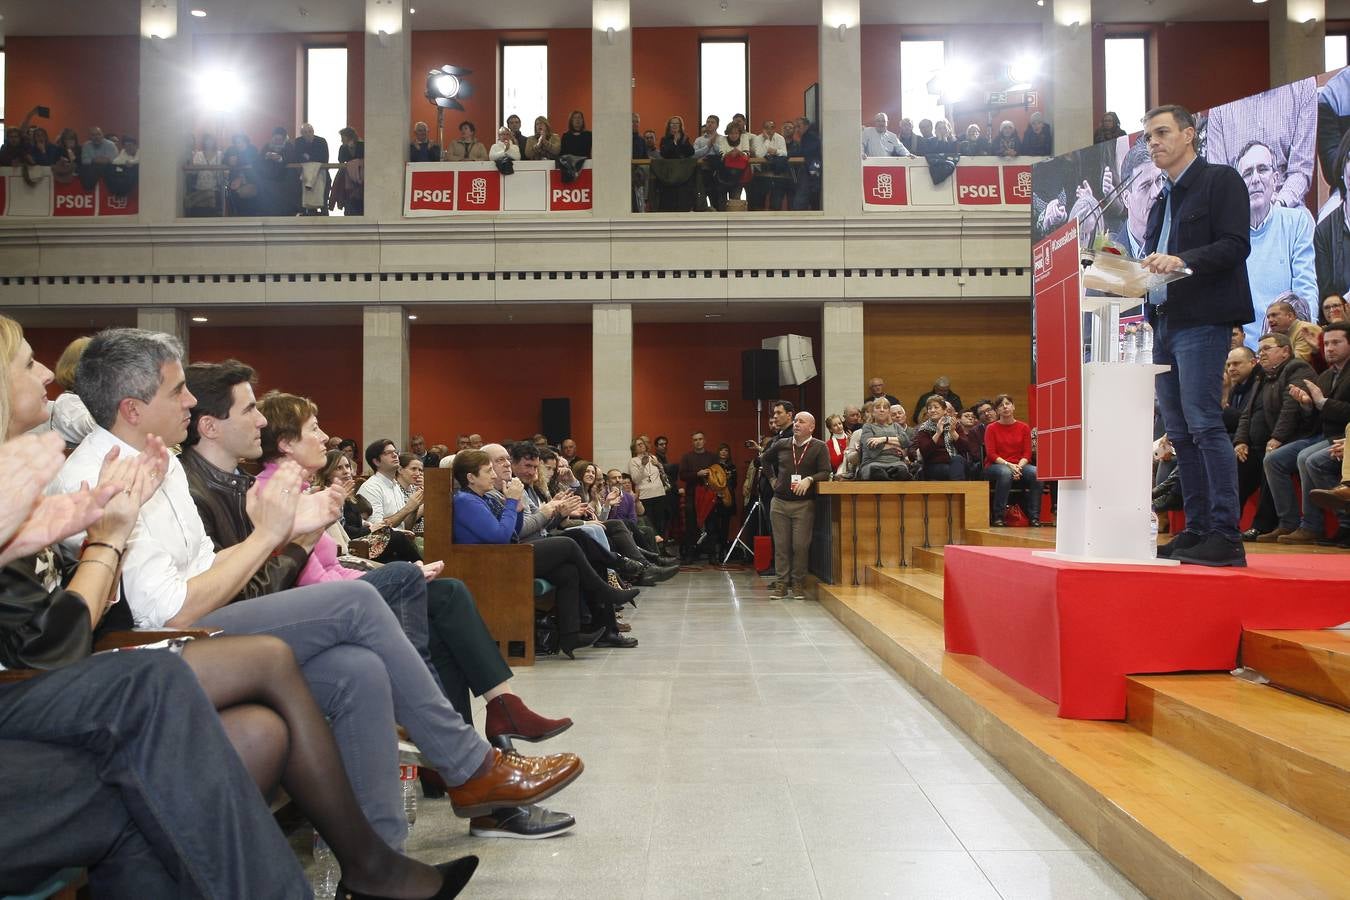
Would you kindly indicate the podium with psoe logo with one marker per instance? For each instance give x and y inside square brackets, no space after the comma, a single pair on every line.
[1094,419]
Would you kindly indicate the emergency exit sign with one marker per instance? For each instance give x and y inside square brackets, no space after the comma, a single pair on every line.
[714,406]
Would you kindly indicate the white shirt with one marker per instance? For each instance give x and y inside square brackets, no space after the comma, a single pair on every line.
[882,144]
[775,143]
[384,495]
[70,418]
[498,150]
[168,544]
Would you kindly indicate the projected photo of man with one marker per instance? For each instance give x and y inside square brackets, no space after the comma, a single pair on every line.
[1285,120]
[1281,260]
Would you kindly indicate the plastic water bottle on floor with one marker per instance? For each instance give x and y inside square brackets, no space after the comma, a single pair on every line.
[1146,344]
[326,871]
[407,777]
[1153,532]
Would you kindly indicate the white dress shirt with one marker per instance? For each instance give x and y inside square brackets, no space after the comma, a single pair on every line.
[775,143]
[384,495]
[168,544]
[882,144]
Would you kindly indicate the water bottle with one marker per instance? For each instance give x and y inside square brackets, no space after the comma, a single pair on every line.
[326,871]
[1130,346]
[407,776]
[1146,344]
[1153,532]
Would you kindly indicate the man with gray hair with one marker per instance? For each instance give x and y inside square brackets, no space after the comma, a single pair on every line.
[801,462]
[882,445]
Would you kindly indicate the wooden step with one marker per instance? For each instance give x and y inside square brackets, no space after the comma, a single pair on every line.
[929,559]
[916,589]
[1313,663]
[1294,750]
[1034,538]
[1172,824]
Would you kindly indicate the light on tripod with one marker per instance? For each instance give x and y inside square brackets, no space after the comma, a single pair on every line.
[446,86]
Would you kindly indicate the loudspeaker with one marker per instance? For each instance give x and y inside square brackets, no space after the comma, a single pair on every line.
[759,374]
[796,362]
[555,419]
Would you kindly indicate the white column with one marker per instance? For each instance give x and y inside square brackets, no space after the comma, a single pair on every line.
[611,383]
[165,319]
[388,59]
[384,374]
[843,380]
[1068,65]
[1298,30]
[165,110]
[841,106]
[611,106]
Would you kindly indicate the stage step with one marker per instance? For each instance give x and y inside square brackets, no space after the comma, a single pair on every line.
[913,588]
[930,559]
[1034,538]
[1294,750]
[1313,663]
[1175,826]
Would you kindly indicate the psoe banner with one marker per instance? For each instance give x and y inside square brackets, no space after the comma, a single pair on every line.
[456,188]
[978,186]
[1057,354]
[885,185]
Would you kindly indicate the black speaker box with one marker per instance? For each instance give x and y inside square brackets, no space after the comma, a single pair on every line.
[759,374]
[555,418]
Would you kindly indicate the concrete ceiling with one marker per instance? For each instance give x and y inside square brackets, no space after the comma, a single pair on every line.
[77,17]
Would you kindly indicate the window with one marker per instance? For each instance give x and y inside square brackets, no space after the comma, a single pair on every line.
[1127,79]
[1336,50]
[2,86]
[723,86]
[326,96]
[524,91]
[922,69]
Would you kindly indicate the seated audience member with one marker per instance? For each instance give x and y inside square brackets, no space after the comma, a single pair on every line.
[97,151]
[311,151]
[352,452]
[879,140]
[630,511]
[881,446]
[1326,400]
[600,499]
[388,544]
[1240,377]
[388,504]
[729,179]
[576,140]
[204,187]
[942,442]
[417,446]
[1331,237]
[837,442]
[941,388]
[1282,318]
[410,470]
[1038,139]
[241,184]
[422,149]
[481,519]
[278,184]
[974,144]
[232,717]
[543,144]
[134,385]
[466,147]
[505,147]
[1333,310]
[1109,129]
[1269,419]
[675,143]
[853,418]
[1007,455]
[567,449]
[513,123]
[1337,498]
[1006,142]
[974,454]
[876,389]
[67,414]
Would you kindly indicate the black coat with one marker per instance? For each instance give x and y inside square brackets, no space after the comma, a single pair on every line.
[1212,235]
[1283,417]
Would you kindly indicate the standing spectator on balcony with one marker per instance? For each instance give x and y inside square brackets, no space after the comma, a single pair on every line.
[422,149]
[974,144]
[576,140]
[543,144]
[728,181]
[13,150]
[1109,129]
[1006,142]
[639,144]
[649,141]
[505,147]
[879,140]
[1038,139]
[204,187]
[311,151]
[97,150]
[808,180]
[241,183]
[129,154]
[774,174]
[907,136]
[352,177]
[278,183]
[675,144]
[944,139]
[794,146]
[923,142]
[707,140]
[513,122]
[467,148]
[40,151]
[68,159]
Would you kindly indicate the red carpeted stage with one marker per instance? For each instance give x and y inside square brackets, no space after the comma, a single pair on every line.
[1073,631]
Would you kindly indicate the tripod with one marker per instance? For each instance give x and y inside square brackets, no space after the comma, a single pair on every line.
[756,511]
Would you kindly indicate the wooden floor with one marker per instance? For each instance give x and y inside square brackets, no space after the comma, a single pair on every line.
[1215,786]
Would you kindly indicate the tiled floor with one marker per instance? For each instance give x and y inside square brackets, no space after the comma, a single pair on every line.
[753,748]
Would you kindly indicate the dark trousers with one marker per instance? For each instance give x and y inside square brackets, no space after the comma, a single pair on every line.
[560,561]
[1251,478]
[657,511]
[120,763]
[462,650]
[955,470]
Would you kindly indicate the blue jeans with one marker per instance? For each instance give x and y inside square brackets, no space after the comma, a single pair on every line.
[1189,396]
[404,588]
[1316,469]
[1297,457]
[1001,476]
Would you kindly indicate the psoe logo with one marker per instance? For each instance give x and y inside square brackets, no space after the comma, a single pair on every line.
[75,201]
[1041,263]
[477,194]
[978,192]
[1022,189]
[884,189]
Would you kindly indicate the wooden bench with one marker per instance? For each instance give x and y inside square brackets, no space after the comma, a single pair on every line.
[500,576]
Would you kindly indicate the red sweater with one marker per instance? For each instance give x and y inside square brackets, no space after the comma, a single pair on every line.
[1008,442]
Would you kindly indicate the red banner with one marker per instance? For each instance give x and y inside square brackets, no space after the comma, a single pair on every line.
[1017,185]
[1058,354]
[112,205]
[433,190]
[478,191]
[71,199]
[977,186]
[574,196]
[885,185]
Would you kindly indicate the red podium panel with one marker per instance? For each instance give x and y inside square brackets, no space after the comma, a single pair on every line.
[1057,414]
[1071,632]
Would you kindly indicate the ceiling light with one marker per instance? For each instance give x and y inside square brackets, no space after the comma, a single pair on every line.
[412,10]
[412,318]
[198,13]
[199,318]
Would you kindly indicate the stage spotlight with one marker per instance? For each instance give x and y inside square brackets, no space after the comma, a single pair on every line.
[447,85]
[1023,71]
[952,83]
[218,90]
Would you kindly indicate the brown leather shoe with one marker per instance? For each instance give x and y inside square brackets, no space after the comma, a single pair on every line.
[1271,537]
[1334,499]
[1300,535]
[515,781]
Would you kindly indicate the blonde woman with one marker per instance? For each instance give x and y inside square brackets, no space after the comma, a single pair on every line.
[650,483]
[543,144]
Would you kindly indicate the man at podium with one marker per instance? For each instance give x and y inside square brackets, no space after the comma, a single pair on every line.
[1198,223]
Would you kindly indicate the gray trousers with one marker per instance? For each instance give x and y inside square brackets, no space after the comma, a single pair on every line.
[365,676]
[792,522]
[119,763]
